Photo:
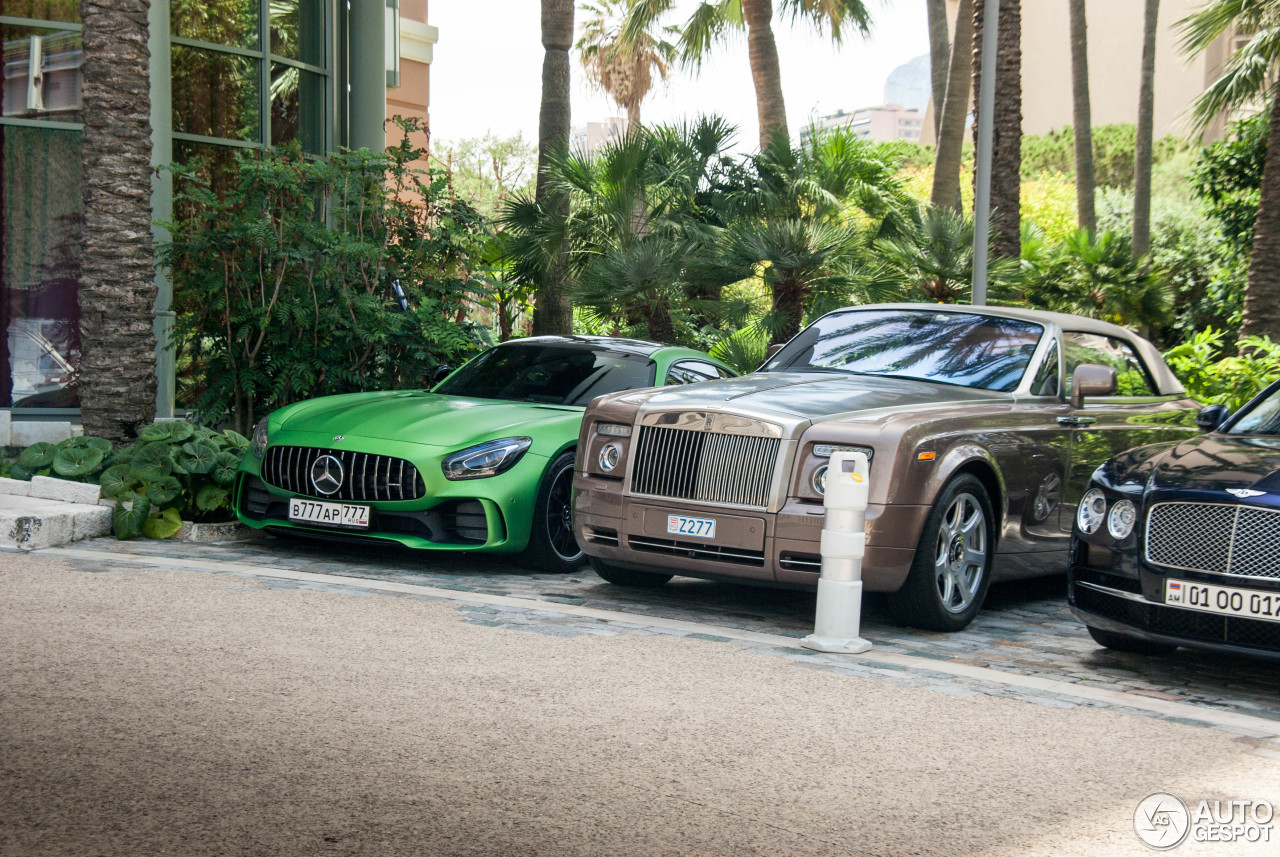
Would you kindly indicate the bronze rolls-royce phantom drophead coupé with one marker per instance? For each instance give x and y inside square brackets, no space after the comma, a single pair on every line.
[982,424]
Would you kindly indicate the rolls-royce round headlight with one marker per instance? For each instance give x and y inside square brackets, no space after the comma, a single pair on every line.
[1093,508]
[1120,519]
[259,442]
[609,456]
[820,480]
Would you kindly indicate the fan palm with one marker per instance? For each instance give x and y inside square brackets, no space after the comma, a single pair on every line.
[1246,79]
[714,20]
[935,262]
[623,68]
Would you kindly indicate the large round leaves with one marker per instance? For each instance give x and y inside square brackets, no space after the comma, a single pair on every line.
[163,526]
[116,480]
[76,461]
[198,457]
[168,431]
[130,515]
[37,456]
[164,491]
[224,472]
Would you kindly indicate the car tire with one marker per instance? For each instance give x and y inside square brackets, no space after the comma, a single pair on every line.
[951,572]
[1122,643]
[627,577]
[552,545]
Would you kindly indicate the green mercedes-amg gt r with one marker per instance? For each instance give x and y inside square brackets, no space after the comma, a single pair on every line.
[484,461]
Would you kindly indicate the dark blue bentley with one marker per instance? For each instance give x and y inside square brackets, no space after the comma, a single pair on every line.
[1178,544]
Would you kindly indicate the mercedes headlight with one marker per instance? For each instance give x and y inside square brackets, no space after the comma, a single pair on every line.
[486,459]
[259,442]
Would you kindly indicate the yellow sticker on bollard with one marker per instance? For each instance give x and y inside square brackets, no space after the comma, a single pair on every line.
[857,477]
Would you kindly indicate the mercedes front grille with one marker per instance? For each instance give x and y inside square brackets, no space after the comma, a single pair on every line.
[364,477]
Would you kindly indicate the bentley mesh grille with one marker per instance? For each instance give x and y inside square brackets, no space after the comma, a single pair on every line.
[364,477]
[705,466]
[1215,537]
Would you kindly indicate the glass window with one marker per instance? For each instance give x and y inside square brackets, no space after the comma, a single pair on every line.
[1132,378]
[1262,418]
[40,313]
[297,30]
[1046,380]
[215,94]
[297,108]
[41,73]
[969,350]
[693,371]
[223,22]
[548,374]
[66,11]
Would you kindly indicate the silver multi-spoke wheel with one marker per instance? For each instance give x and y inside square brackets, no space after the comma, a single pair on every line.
[960,553]
[952,567]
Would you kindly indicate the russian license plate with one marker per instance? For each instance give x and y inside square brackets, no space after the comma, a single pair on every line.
[683,525]
[1226,600]
[331,514]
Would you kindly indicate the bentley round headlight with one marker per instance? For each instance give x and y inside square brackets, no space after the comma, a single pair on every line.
[609,456]
[1093,508]
[1120,519]
[259,442]
[820,480]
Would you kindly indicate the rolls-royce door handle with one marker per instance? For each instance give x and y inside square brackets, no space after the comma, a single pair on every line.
[1077,422]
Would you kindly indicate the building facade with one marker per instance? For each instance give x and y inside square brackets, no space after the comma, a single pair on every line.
[882,124]
[224,75]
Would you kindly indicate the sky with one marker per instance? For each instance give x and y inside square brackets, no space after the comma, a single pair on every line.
[486,72]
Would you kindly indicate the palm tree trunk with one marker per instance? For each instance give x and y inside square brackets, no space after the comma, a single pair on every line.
[766,74]
[117,276]
[553,314]
[1262,294]
[939,59]
[1080,115]
[788,307]
[659,324]
[955,109]
[1006,147]
[1142,149]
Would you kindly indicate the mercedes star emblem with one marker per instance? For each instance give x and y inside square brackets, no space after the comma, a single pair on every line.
[338,437]
[326,475]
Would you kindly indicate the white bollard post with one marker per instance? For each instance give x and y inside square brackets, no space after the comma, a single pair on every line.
[844,542]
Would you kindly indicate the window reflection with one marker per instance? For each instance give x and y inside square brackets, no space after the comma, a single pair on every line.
[220,22]
[215,94]
[39,316]
[297,108]
[67,11]
[41,73]
[297,30]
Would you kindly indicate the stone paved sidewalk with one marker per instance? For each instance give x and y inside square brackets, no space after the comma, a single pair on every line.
[1026,628]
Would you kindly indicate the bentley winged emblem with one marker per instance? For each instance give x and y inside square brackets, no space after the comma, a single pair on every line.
[1245,493]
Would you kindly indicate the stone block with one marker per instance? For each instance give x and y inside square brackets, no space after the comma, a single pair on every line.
[233,531]
[6,423]
[48,488]
[15,487]
[77,430]
[90,522]
[31,532]
[23,433]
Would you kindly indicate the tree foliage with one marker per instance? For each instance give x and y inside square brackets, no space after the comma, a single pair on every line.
[285,286]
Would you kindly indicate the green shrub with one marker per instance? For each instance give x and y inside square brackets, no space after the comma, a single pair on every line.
[1214,376]
[283,281]
[1113,153]
[175,471]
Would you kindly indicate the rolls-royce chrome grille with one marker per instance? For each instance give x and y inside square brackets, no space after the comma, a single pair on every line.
[1215,537]
[364,477]
[711,467]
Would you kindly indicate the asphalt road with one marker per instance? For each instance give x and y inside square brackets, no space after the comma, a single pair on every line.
[148,710]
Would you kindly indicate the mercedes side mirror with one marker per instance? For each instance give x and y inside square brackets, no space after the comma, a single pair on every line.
[438,374]
[1090,379]
[1211,417]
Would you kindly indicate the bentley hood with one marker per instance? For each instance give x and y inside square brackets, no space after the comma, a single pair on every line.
[420,417]
[1220,462]
[810,395]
